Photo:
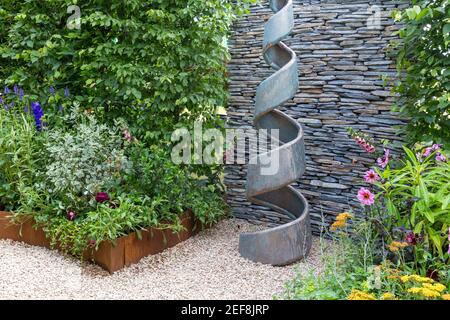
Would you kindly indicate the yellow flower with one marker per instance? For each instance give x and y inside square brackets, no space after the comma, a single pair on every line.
[415,290]
[416,278]
[395,246]
[341,221]
[360,295]
[404,279]
[439,287]
[436,287]
[446,296]
[424,292]
[337,225]
[430,293]
[388,296]
[420,279]
[343,216]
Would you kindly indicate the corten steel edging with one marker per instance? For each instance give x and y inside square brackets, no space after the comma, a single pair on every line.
[292,241]
[126,251]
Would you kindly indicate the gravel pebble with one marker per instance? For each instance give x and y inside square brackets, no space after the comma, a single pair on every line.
[207,266]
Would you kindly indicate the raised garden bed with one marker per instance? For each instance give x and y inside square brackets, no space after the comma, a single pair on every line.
[112,257]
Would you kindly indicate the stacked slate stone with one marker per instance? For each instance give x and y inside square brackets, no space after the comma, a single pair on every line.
[343,62]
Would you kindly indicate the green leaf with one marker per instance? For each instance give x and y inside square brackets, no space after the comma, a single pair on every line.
[419,227]
[445,202]
[413,12]
[446,28]
[436,240]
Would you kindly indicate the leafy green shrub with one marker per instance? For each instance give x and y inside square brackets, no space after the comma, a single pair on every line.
[80,161]
[417,197]
[424,70]
[411,198]
[176,187]
[18,148]
[161,62]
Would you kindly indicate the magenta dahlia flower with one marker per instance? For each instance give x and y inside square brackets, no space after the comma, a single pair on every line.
[371,176]
[366,197]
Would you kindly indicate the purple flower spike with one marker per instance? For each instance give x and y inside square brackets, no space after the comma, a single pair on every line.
[1,100]
[66,92]
[21,94]
[9,106]
[38,113]
[7,91]
[16,89]
[52,90]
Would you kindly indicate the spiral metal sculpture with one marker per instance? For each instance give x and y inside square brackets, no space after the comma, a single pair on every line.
[292,241]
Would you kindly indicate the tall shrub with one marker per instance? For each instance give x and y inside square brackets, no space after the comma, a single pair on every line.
[159,61]
[424,66]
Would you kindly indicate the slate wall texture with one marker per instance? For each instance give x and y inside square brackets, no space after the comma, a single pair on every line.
[341,48]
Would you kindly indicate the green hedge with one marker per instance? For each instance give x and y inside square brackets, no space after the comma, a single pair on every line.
[160,61]
[424,65]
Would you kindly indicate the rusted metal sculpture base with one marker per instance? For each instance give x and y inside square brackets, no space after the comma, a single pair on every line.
[290,242]
[126,251]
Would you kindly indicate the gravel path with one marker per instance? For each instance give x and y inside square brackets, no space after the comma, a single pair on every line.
[207,266]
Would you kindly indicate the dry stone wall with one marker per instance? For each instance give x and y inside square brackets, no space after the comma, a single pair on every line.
[343,61]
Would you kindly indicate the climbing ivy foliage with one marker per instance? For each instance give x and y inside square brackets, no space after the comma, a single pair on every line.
[161,62]
[424,67]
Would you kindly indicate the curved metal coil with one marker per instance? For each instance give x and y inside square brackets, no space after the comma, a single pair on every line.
[292,241]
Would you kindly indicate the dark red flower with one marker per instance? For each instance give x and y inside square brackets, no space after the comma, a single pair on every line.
[71,215]
[92,243]
[411,238]
[102,197]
